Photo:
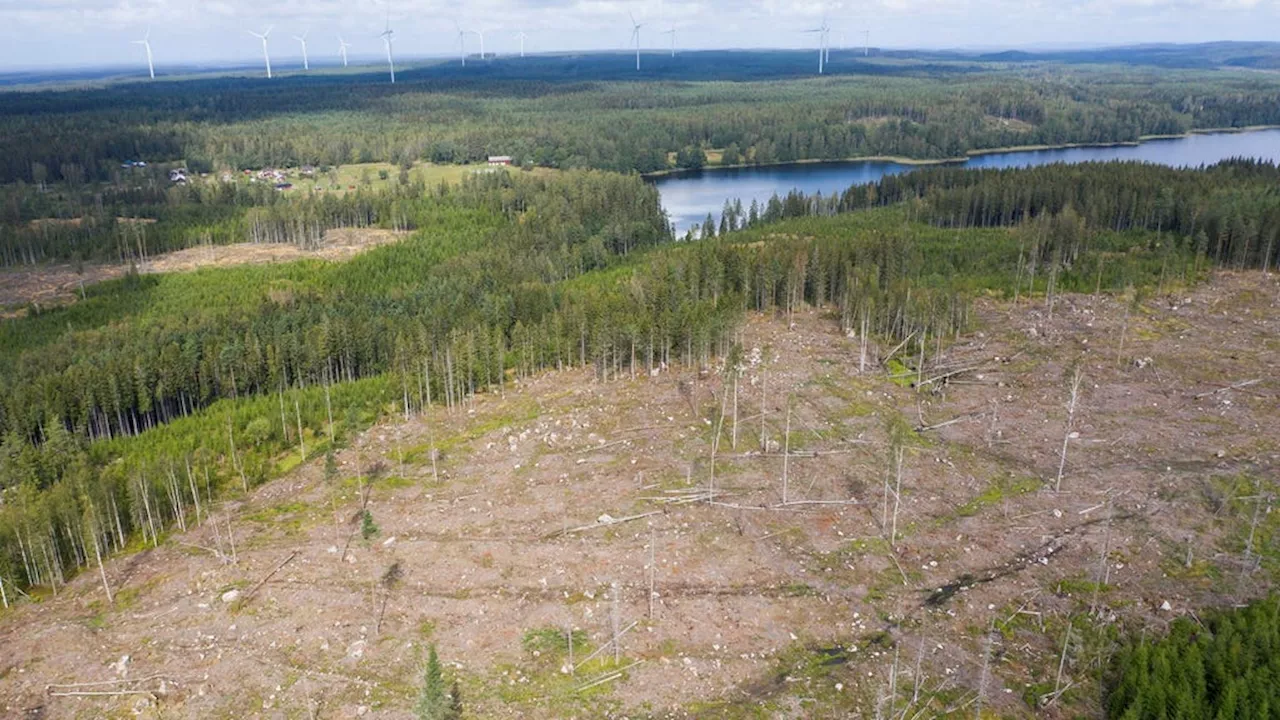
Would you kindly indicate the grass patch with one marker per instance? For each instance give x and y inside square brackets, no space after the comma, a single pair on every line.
[997,492]
[518,412]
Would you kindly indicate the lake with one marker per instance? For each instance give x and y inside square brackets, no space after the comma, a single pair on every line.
[689,196]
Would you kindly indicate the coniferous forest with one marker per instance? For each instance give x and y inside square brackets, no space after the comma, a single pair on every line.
[1223,666]
[127,413]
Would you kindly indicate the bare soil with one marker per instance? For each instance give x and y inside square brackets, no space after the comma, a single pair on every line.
[760,609]
[59,284]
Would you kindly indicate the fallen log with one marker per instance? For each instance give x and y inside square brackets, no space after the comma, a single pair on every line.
[249,595]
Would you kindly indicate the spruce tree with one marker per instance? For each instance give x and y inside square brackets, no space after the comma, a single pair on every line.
[433,704]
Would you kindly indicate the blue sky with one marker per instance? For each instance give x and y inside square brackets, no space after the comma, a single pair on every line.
[47,33]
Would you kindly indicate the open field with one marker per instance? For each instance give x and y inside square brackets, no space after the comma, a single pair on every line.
[538,510]
[378,176]
[58,284]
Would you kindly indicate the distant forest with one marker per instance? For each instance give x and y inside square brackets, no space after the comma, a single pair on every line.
[588,112]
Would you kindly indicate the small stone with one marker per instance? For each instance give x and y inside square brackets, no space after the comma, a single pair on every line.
[230,596]
[1165,606]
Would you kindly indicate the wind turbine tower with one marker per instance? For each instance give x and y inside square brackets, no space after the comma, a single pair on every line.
[146,43]
[822,45]
[342,49]
[635,37]
[480,35]
[826,41]
[522,37]
[672,33]
[866,43]
[387,35]
[462,44]
[265,54]
[306,64]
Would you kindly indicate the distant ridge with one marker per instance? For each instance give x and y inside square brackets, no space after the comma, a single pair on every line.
[695,65]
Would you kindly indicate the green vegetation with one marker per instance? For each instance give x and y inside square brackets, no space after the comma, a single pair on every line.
[367,527]
[135,409]
[940,109]
[1222,666]
[124,410]
[435,700]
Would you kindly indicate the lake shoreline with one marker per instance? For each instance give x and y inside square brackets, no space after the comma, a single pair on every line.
[677,172]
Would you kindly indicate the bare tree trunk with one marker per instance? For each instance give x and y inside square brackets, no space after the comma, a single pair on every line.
[916,680]
[715,445]
[734,435]
[862,358]
[786,454]
[653,568]
[1247,564]
[764,393]
[1104,568]
[328,408]
[97,553]
[615,620]
[195,493]
[235,459]
[297,413]
[568,634]
[897,494]
[1062,661]
[231,537]
[1076,378]
[986,669]
[284,424]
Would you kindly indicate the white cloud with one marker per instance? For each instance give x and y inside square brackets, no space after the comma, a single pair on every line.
[77,32]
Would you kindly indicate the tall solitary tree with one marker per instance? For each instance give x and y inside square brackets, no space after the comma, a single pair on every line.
[435,700]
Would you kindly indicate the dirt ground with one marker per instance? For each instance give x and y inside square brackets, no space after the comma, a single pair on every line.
[537,509]
[58,284]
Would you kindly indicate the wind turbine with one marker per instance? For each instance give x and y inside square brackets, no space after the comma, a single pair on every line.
[146,43]
[387,36]
[306,64]
[522,37]
[672,33]
[822,31]
[342,49]
[462,43]
[480,35]
[635,37]
[265,54]
[866,43]
[826,39]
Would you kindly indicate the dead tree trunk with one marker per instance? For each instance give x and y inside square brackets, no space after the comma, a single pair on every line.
[1077,377]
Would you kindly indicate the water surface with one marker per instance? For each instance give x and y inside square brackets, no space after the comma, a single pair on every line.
[689,197]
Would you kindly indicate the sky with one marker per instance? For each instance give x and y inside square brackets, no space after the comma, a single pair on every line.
[92,33]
